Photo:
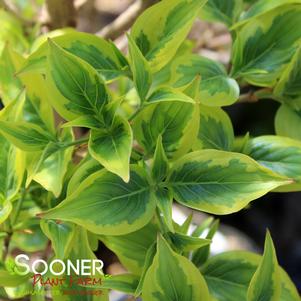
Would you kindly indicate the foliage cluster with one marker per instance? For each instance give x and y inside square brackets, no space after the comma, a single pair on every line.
[157,134]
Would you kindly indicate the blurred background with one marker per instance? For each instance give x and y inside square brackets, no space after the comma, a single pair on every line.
[279,212]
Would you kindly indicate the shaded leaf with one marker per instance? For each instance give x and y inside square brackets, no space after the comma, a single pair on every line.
[173,277]
[160,163]
[215,130]
[12,169]
[164,202]
[261,7]
[228,276]
[288,122]
[61,235]
[226,12]
[26,136]
[132,248]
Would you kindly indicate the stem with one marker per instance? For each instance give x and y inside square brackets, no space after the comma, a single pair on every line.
[136,112]
[162,225]
[254,96]
[6,245]
[15,217]
[77,142]
[20,201]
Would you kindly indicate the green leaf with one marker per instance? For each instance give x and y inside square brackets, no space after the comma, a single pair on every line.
[32,240]
[10,86]
[160,163]
[126,283]
[164,200]
[37,111]
[112,147]
[216,88]
[265,285]
[42,39]
[93,241]
[184,228]
[201,255]
[288,290]
[141,70]
[186,243]
[160,30]
[176,122]
[241,143]
[288,87]
[220,182]
[11,32]
[11,280]
[104,204]
[26,136]
[5,210]
[202,227]
[173,277]
[12,169]
[288,122]
[102,55]
[36,107]
[150,254]
[215,131]
[75,86]
[260,8]
[86,168]
[132,248]
[265,45]
[79,292]
[226,12]
[49,170]
[86,121]
[164,94]
[61,236]
[281,155]
[228,276]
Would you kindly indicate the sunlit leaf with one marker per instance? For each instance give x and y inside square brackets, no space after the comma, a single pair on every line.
[105,204]
[220,182]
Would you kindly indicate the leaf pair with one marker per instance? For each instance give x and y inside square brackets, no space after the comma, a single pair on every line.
[213,181]
[34,135]
[241,275]
[81,96]
[173,277]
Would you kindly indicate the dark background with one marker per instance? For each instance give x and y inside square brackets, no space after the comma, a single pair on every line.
[278,212]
